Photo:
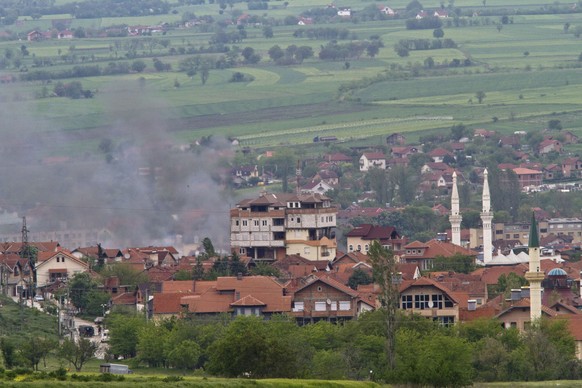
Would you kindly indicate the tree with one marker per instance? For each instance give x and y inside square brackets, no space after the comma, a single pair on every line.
[566,27]
[402,51]
[33,350]
[138,65]
[268,32]
[429,62]
[77,353]
[384,270]
[80,285]
[185,355]
[358,277]
[458,131]
[555,124]
[438,33]
[8,352]
[150,345]
[446,361]
[204,72]
[276,53]
[480,96]
[123,333]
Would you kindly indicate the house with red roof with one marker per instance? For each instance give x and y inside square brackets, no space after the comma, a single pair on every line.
[58,266]
[438,154]
[528,177]
[423,254]
[572,167]
[370,160]
[240,295]
[404,151]
[360,238]
[549,145]
[429,299]
[324,298]
[338,158]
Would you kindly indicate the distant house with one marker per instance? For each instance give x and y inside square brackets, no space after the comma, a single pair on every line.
[34,35]
[344,12]
[441,14]
[513,141]
[421,15]
[338,158]
[303,21]
[552,171]
[395,139]
[571,167]
[423,254]
[404,152]
[435,167]
[360,238]
[371,160]
[316,187]
[528,177]
[66,34]
[548,146]
[438,154]
[484,133]
[386,10]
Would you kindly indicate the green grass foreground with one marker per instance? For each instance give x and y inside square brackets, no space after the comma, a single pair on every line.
[186,381]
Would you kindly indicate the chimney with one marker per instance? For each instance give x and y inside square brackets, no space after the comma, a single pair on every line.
[525,292]
[472,304]
[239,276]
[515,294]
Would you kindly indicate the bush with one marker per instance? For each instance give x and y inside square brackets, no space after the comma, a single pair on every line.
[172,379]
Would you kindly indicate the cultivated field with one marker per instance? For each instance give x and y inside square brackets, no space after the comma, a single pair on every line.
[527,69]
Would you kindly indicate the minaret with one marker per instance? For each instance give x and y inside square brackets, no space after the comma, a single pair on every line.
[534,276]
[455,217]
[486,218]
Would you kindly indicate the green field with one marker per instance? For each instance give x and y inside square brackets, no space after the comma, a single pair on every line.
[528,70]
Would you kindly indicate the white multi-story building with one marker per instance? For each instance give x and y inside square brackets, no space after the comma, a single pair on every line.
[274,225]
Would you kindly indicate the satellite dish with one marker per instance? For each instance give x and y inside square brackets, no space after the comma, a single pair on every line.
[430,304]
[328,301]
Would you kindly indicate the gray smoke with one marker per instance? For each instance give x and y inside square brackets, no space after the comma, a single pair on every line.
[141,184]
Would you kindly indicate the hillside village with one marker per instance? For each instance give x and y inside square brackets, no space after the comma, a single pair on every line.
[303,254]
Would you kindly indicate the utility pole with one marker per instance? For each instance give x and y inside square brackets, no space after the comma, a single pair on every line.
[26,253]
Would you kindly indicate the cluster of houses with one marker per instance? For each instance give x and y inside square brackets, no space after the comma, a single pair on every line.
[295,233]
[54,33]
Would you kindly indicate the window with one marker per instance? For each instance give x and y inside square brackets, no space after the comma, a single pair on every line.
[359,248]
[421,301]
[345,305]
[58,259]
[446,321]
[367,247]
[306,250]
[298,220]
[264,222]
[62,259]
[437,301]
[516,235]
[242,251]
[406,302]
[319,289]
[245,223]
[351,248]
[320,306]
[298,306]
[236,222]
[333,305]
[256,222]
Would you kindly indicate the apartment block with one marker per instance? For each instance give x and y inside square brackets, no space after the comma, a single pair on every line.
[274,225]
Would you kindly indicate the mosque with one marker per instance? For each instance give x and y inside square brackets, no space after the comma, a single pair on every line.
[534,275]
[490,257]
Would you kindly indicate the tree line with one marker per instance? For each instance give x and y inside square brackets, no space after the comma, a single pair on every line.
[425,352]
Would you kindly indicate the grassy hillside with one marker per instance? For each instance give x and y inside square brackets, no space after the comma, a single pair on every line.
[20,323]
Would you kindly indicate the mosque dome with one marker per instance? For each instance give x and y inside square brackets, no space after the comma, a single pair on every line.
[557,272]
